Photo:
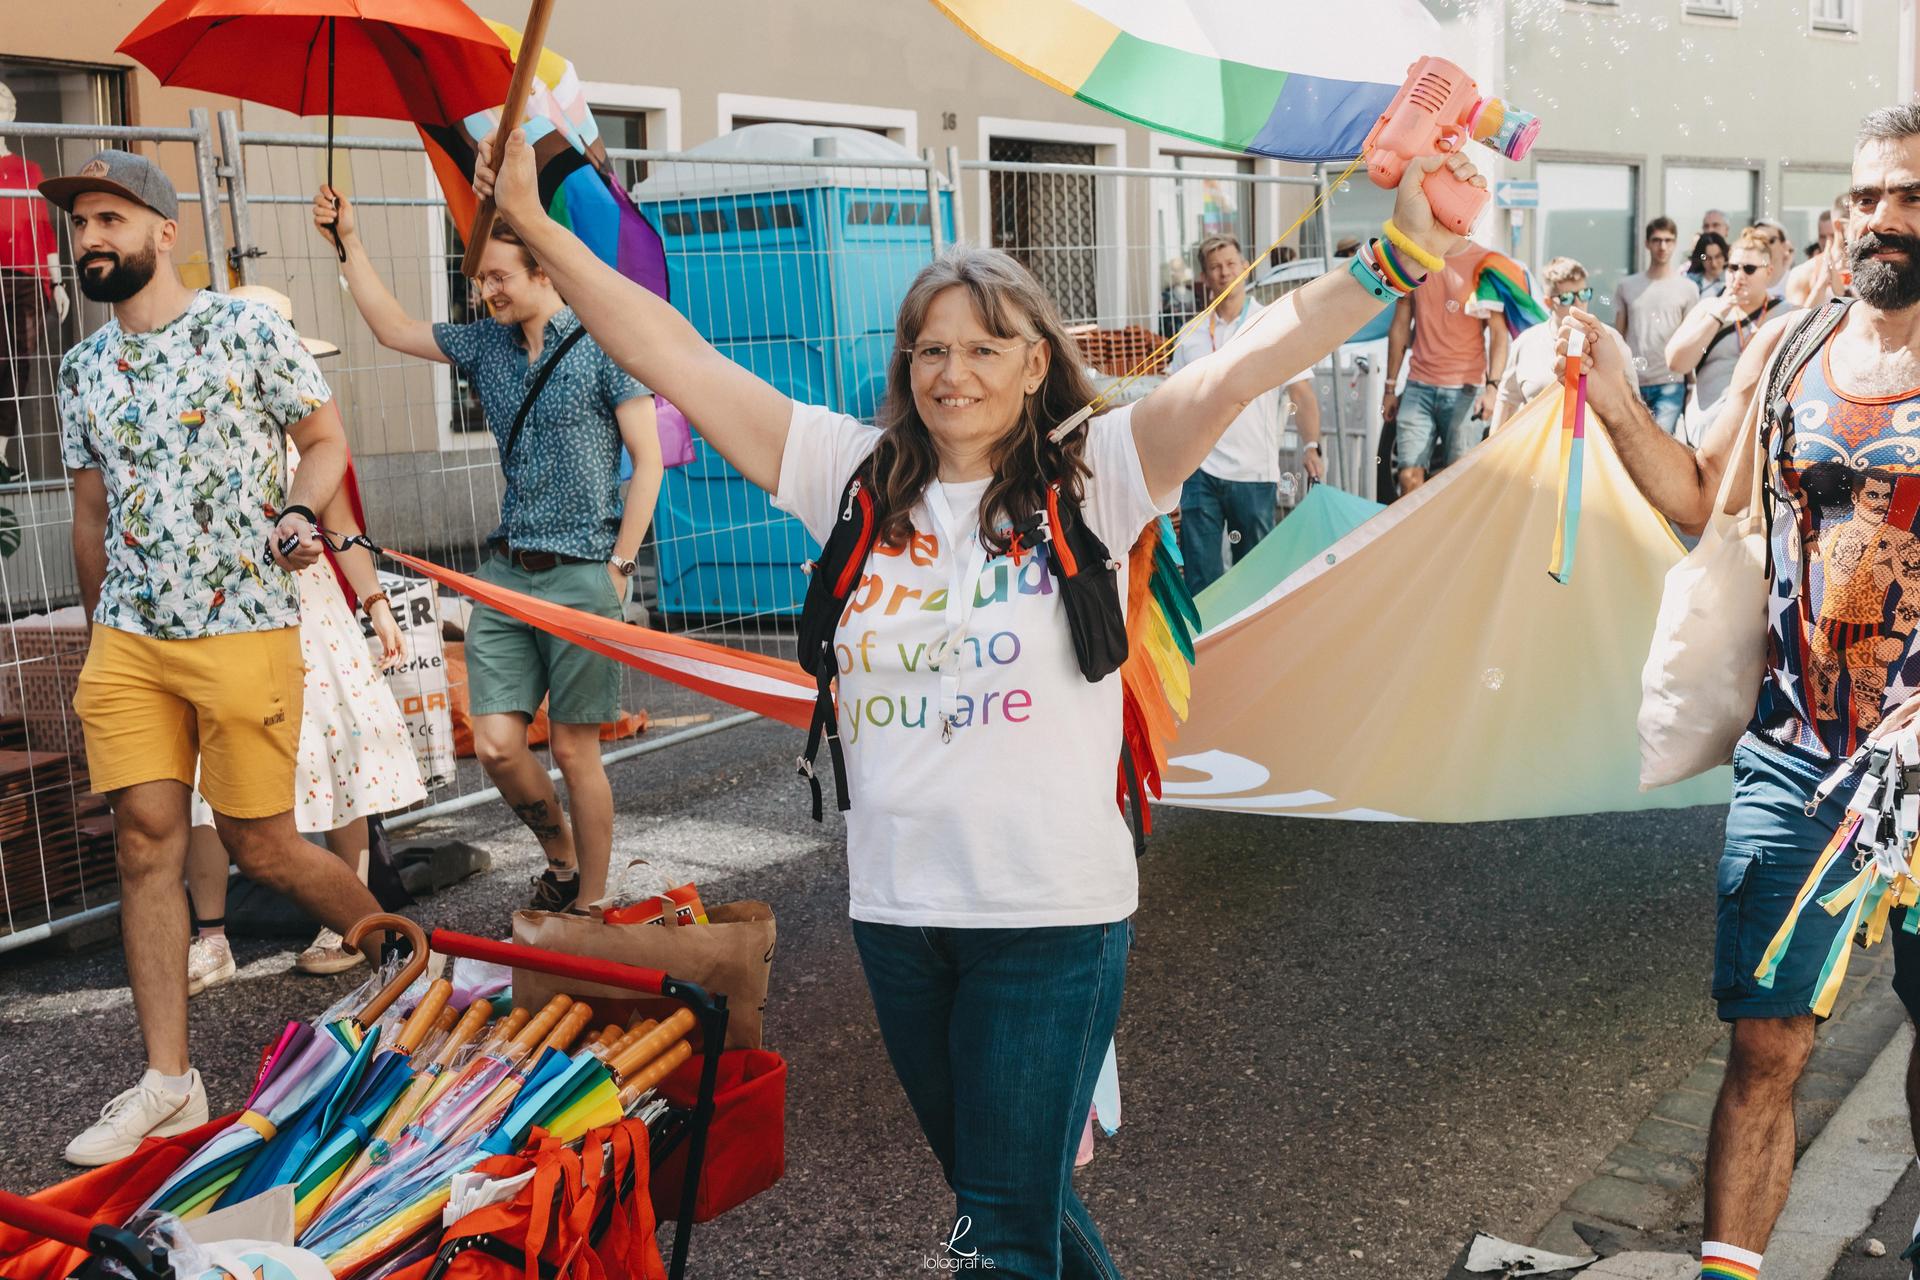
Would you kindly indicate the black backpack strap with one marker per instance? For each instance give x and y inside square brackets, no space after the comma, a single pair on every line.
[539,385]
[1798,349]
[831,579]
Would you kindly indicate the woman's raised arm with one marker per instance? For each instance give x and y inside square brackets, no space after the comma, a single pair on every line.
[1176,426]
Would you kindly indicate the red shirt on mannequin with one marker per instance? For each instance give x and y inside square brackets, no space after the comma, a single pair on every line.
[26,229]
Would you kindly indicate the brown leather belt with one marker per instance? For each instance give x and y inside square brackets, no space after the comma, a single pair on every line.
[541,561]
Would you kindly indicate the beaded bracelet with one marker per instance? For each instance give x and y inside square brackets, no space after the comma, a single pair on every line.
[1403,242]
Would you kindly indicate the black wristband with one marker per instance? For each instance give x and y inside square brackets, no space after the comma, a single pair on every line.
[295,509]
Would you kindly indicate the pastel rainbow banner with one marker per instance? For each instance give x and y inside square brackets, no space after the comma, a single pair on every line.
[1295,79]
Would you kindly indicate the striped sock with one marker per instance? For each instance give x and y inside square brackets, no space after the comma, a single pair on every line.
[1727,1262]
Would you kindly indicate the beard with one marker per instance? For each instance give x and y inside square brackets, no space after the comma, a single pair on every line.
[123,278]
[1885,285]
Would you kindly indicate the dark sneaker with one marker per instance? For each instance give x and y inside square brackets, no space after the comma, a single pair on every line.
[551,893]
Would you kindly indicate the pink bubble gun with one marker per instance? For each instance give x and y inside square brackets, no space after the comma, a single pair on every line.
[1436,111]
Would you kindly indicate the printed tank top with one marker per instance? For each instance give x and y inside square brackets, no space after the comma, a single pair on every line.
[1843,609]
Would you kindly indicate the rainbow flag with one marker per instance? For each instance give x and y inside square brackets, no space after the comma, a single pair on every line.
[1166,65]
[578,182]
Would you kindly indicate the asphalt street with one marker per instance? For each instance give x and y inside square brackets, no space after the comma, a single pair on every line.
[1345,1047]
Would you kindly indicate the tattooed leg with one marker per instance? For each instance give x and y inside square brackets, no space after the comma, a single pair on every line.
[501,743]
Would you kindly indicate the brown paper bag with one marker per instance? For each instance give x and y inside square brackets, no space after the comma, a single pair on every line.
[732,955]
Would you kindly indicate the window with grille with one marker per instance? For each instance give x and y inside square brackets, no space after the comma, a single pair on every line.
[1712,8]
[1836,15]
[1047,220]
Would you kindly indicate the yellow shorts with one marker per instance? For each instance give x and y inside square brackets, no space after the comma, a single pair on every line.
[150,708]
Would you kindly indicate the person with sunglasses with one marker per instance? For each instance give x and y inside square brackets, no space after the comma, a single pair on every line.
[1531,359]
[1647,307]
[560,417]
[1709,342]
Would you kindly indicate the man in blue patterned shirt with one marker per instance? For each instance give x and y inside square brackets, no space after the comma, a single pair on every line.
[565,534]
[174,418]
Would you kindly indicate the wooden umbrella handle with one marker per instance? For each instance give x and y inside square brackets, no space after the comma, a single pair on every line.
[466,1029]
[648,1047]
[415,966]
[425,1014]
[533,41]
[654,1072]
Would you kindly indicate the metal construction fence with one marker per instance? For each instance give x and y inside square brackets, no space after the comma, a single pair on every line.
[793,264]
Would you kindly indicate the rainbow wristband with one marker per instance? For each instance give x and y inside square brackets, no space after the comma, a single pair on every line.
[1393,269]
[1403,242]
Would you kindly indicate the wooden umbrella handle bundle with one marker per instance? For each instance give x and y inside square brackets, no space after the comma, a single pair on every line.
[628,1037]
[463,1032]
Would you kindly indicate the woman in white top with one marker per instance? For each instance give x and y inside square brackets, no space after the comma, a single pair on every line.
[992,875]
[1530,361]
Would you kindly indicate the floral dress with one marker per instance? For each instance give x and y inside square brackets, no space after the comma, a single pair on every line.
[356,755]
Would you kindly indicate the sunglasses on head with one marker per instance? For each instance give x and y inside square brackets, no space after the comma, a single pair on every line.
[1745,268]
[1577,295]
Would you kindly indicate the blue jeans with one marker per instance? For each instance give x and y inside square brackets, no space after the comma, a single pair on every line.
[1209,506]
[1665,402]
[1432,426]
[997,1036]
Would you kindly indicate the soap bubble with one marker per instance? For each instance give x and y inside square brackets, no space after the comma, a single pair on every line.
[1452,305]
[1493,678]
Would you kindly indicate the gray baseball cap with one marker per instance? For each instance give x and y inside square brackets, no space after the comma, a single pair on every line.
[119,173]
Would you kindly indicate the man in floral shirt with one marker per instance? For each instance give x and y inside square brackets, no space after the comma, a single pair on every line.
[174,417]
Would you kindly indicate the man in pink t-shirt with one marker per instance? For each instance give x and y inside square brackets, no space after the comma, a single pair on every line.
[1458,359]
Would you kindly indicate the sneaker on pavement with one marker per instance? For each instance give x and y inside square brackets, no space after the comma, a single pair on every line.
[209,963]
[142,1112]
[551,893]
[328,954]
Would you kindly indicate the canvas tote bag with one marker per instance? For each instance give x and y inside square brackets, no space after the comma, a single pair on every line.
[1703,672]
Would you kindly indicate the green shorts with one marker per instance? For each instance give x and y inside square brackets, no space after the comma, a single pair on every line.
[511,666]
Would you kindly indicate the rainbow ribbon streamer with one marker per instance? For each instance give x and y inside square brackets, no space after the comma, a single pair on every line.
[1573,448]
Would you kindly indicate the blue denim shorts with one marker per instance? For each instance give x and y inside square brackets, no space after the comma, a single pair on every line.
[1771,848]
[1432,420]
[1665,402]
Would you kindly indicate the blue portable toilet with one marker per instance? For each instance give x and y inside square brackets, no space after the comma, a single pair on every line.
[794,270]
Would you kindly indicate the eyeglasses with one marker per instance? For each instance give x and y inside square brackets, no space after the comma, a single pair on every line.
[978,356]
[1578,295]
[496,279]
[1746,268]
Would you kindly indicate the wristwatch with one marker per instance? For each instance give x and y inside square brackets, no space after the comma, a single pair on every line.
[626,567]
[1313,445]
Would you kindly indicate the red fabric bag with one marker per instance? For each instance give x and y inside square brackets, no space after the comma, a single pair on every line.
[747,1145]
[110,1194]
[585,1215]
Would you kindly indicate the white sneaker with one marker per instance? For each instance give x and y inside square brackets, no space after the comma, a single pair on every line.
[209,963]
[328,954]
[144,1111]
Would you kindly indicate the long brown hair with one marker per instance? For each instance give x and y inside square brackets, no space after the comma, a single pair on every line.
[1012,305]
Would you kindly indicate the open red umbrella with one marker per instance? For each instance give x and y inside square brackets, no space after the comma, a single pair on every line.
[433,62]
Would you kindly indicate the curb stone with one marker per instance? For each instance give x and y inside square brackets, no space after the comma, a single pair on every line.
[1646,1192]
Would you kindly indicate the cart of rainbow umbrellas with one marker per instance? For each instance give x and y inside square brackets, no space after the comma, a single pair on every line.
[370,1113]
